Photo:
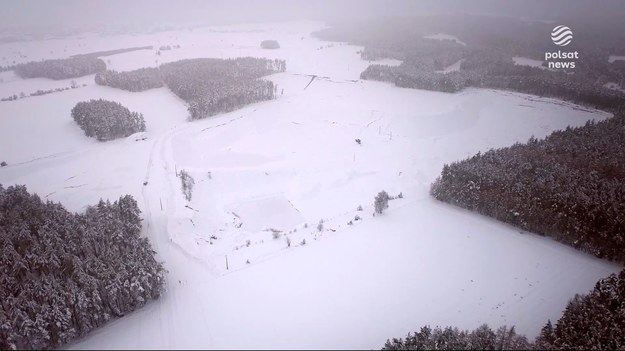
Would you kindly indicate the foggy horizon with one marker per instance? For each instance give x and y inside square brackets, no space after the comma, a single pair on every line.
[37,16]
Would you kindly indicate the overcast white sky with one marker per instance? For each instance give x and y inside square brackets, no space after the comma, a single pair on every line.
[99,14]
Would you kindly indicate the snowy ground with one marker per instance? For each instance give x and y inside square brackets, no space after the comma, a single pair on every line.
[524,61]
[281,166]
[455,67]
[443,36]
[613,58]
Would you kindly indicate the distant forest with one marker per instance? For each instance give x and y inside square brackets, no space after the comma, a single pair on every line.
[61,68]
[66,274]
[487,57]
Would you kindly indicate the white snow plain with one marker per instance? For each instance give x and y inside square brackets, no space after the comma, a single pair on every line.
[524,61]
[282,166]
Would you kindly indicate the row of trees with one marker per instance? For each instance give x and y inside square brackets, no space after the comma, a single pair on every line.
[107,120]
[595,321]
[269,44]
[66,274]
[482,338]
[61,68]
[569,186]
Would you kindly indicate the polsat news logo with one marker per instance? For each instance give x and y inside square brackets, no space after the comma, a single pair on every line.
[562,36]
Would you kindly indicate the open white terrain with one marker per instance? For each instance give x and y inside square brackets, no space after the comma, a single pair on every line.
[280,167]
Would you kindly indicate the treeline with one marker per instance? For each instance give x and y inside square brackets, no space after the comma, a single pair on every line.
[209,86]
[113,52]
[61,68]
[41,92]
[503,75]
[107,120]
[66,274]
[590,322]
[569,186]
[270,44]
[482,338]
[137,80]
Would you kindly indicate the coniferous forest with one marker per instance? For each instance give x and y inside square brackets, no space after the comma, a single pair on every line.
[569,186]
[107,120]
[595,321]
[65,274]
[137,80]
[209,86]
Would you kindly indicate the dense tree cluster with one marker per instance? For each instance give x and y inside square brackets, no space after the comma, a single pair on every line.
[107,120]
[65,274]
[269,44]
[137,80]
[61,68]
[482,338]
[590,322]
[212,86]
[569,186]
[209,86]
[491,44]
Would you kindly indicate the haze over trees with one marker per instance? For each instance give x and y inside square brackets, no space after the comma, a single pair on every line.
[137,80]
[269,44]
[61,68]
[107,120]
[486,58]
[65,274]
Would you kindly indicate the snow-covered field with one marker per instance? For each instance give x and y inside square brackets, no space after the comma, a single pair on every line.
[524,61]
[280,167]
[614,58]
[443,36]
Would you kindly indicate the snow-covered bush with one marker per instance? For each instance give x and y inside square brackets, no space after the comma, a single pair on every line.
[381,202]
[320,225]
[187,183]
[107,120]
[64,274]
[270,44]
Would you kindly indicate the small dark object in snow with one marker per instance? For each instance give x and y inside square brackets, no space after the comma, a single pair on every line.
[145,183]
[358,141]
[3,164]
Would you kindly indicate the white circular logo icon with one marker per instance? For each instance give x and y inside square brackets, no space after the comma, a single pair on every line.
[561,35]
